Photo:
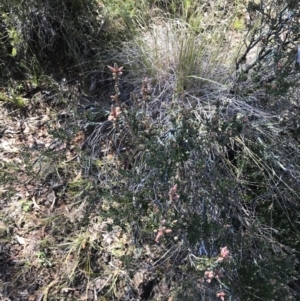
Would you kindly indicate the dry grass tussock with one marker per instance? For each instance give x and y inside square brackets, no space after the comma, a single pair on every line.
[173,54]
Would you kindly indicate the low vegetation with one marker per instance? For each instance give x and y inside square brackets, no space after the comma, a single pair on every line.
[149,151]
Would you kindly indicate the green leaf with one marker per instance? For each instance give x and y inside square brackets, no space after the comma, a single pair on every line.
[14,52]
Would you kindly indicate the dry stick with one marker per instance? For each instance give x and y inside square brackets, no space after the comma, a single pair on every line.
[263,52]
[46,290]
[116,78]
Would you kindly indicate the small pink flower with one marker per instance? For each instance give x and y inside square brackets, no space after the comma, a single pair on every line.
[114,113]
[223,254]
[161,232]
[173,193]
[221,295]
[114,97]
[115,70]
[209,275]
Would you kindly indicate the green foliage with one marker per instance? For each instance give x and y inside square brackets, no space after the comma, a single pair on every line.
[57,34]
[239,24]
[274,67]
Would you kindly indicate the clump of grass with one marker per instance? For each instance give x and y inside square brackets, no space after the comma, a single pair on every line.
[171,53]
[18,101]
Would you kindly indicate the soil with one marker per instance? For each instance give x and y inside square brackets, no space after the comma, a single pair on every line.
[33,195]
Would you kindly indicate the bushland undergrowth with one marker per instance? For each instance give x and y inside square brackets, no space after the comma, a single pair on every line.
[149,151]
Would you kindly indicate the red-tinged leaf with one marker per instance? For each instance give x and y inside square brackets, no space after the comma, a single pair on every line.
[111,69]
